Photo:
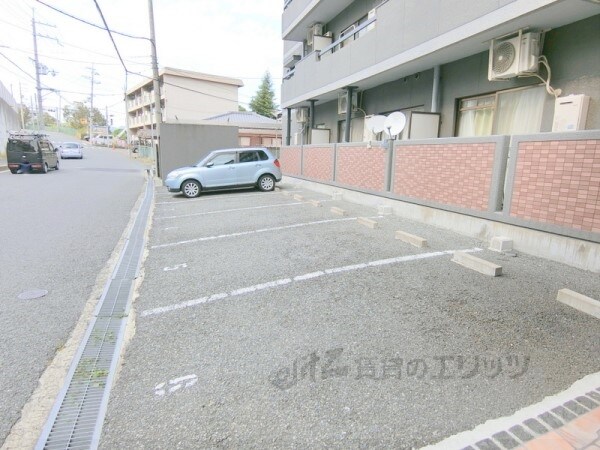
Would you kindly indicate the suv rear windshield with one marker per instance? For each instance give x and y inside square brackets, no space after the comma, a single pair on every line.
[21,145]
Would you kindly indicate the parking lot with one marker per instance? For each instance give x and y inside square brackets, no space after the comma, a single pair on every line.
[267,320]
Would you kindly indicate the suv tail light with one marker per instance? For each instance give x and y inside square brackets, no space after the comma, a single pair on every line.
[276,162]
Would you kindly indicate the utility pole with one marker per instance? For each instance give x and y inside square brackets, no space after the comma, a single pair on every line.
[38,84]
[156,86]
[21,107]
[38,71]
[93,73]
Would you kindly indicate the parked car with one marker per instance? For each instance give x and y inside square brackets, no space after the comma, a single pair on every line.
[227,169]
[102,139]
[71,150]
[28,150]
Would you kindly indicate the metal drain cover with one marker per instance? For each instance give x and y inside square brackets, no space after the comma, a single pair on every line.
[33,293]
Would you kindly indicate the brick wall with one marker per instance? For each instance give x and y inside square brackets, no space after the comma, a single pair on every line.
[452,174]
[558,182]
[361,167]
[291,160]
[318,163]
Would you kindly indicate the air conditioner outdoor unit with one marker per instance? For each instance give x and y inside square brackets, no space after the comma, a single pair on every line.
[302,115]
[343,101]
[315,30]
[514,56]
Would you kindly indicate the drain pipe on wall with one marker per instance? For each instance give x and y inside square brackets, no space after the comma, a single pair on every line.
[289,126]
[435,93]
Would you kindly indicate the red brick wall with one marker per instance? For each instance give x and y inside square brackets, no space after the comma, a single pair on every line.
[558,182]
[361,167]
[318,163]
[452,174]
[291,160]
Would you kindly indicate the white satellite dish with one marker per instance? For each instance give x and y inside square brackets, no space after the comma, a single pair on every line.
[376,124]
[395,123]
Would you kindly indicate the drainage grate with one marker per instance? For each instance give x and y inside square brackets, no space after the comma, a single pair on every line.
[77,416]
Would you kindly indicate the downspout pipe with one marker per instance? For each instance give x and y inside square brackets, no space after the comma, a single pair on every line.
[435,93]
[289,126]
[349,90]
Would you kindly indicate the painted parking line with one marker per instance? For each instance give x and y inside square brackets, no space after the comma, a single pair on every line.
[260,230]
[222,211]
[299,278]
[214,197]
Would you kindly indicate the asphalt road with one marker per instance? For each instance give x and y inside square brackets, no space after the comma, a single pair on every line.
[266,322]
[57,233]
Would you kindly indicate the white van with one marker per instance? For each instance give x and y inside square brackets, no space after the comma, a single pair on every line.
[102,139]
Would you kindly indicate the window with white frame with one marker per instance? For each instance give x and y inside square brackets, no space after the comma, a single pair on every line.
[514,111]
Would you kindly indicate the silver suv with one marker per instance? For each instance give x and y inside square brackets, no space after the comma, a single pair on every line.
[227,169]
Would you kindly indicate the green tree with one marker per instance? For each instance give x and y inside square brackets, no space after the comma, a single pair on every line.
[49,120]
[241,108]
[26,114]
[77,115]
[263,102]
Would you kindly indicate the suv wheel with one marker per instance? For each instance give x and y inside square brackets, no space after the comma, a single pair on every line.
[45,168]
[57,166]
[190,188]
[266,183]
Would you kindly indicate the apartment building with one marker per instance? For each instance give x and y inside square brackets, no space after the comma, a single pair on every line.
[456,68]
[9,118]
[186,97]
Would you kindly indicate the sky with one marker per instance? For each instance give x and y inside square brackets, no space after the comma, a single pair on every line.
[232,38]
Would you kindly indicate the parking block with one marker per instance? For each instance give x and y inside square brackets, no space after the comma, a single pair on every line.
[316,203]
[501,244]
[411,239]
[477,264]
[367,222]
[580,302]
[339,211]
[298,197]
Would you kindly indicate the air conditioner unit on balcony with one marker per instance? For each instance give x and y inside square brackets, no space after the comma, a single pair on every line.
[315,30]
[514,56]
[302,115]
[343,101]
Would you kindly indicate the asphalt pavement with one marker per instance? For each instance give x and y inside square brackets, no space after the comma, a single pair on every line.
[264,321]
[58,232]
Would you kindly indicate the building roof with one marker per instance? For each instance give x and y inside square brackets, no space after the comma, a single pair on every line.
[200,76]
[241,117]
[187,74]
[246,119]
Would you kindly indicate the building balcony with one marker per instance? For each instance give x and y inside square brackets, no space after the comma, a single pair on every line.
[397,43]
[299,15]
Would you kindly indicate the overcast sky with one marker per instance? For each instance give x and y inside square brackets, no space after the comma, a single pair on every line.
[234,38]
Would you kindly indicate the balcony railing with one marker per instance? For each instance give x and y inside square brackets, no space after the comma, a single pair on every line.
[358,29]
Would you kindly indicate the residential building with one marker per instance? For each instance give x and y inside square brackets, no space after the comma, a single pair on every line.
[254,130]
[425,57]
[186,97]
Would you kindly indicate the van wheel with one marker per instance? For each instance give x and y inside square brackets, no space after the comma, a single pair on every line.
[266,183]
[45,168]
[190,188]
[57,166]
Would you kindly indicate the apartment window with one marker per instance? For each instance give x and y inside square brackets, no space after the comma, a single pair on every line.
[515,111]
[244,141]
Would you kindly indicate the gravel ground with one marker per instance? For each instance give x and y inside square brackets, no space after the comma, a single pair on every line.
[395,354]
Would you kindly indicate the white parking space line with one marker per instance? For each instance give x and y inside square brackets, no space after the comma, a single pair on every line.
[215,197]
[221,211]
[245,233]
[309,276]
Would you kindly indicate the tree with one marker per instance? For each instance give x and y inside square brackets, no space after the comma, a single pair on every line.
[241,108]
[49,120]
[78,115]
[26,114]
[263,102]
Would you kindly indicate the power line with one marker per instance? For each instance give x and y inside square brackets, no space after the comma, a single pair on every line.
[110,34]
[90,23]
[76,60]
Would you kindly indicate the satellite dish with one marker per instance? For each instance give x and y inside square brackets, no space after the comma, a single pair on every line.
[376,124]
[395,123]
